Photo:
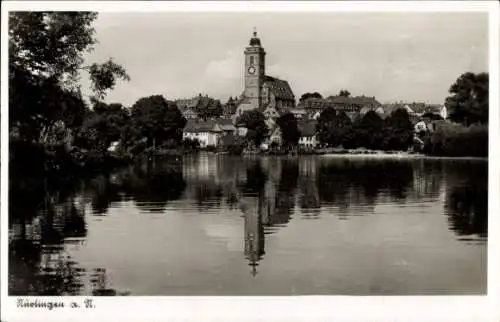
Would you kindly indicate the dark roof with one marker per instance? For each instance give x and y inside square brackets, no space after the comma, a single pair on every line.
[307,128]
[418,107]
[365,101]
[280,88]
[315,104]
[197,103]
[196,126]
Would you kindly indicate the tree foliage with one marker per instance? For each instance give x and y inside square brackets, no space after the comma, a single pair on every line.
[334,127]
[310,95]
[46,56]
[289,130]
[157,119]
[103,125]
[399,131]
[370,131]
[344,93]
[468,102]
[257,129]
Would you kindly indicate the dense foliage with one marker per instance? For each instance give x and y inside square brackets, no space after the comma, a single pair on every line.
[310,95]
[369,131]
[46,51]
[456,140]
[158,120]
[468,102]
[344,93]
[257,129]
[289,130]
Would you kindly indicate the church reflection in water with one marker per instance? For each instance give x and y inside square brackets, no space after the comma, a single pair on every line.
[254,238]
[269,206]
[48,222]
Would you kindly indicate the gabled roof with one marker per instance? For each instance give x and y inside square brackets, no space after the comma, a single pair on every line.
[315,104]
[280,88]
[198,126]
[210,125]
[364,101]
[225,124]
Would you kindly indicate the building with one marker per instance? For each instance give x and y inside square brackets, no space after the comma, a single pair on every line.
[207,132]
[352,106]
[191,107]
[270,95]
[229,109]
[188,113]
[308,137]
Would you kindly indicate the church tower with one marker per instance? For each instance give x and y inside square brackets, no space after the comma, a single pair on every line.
[254,71]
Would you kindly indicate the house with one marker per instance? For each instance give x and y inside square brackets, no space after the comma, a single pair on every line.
[207,132]
[308,137]
[420,127]
[353,107]
[299,113]
[197,104]
[229,108]
[226,124]
[188,113]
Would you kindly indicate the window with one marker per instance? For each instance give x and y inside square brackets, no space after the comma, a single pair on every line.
[251,60]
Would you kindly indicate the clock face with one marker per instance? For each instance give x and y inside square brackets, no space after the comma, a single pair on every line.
[251,70]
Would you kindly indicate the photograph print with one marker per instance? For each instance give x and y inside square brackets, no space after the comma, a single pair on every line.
[247,153]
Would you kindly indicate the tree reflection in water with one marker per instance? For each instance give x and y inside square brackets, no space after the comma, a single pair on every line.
[38,261]
[45,218]
[360,184]
[467,199]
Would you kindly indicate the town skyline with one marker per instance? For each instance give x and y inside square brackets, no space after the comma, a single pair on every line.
[410,63]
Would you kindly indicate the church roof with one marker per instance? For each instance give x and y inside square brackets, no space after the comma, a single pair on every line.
[280,88]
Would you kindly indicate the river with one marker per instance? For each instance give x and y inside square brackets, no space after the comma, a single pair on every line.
[224,225]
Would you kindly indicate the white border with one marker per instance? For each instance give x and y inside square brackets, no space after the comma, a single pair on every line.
[312,308]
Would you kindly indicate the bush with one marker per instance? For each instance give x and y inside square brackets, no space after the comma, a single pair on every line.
[455,140]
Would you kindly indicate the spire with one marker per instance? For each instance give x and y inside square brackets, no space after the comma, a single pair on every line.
[255,41]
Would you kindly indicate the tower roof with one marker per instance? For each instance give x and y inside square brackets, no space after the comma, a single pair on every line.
[255,41]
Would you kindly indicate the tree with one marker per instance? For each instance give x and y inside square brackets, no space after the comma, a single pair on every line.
[254,121]
[325,124]
[103,125]
[334,128]
[344,93]
[289,130]
[468,102]
[158,120]
[342,126]
[310,95]
[398,131]
[369,131]
[46,56]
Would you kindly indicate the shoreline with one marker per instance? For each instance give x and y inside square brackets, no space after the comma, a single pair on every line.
[399,156]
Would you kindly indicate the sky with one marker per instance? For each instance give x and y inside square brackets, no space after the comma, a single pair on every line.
[392,56]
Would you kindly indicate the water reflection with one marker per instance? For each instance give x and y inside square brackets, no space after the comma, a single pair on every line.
[267,192]
[467,201]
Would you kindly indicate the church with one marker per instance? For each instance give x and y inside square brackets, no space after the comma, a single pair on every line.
[270,95]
